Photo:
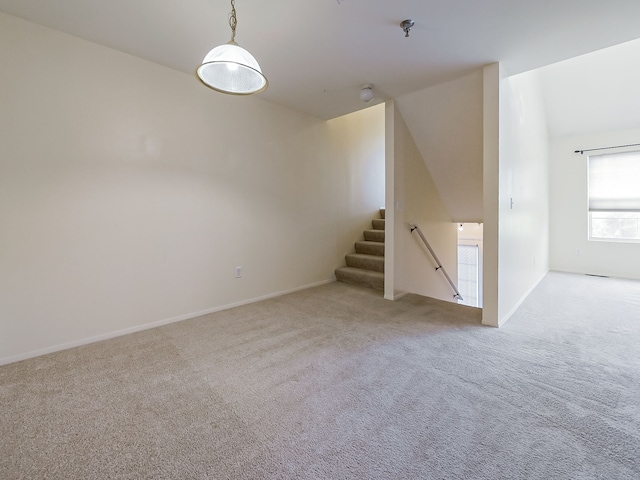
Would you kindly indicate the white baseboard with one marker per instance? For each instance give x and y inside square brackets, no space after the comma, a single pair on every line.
[147,326]
[400,294]
[506,318]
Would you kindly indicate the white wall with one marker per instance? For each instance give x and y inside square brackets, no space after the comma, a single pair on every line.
[129,193]
[470,231]
[523,191]
[516,238]
[446,123]
[417,200]
[569,218]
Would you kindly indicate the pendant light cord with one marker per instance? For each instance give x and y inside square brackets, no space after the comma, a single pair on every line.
[233,21]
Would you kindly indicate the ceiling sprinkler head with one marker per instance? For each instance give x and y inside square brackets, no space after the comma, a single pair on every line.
[406,26]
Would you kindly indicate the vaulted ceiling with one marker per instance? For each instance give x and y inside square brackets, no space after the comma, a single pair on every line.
[318,53]
[593,93]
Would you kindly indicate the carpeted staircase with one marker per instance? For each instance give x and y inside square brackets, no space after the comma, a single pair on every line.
[366,266]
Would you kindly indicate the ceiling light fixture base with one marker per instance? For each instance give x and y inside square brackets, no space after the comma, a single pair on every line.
[407,25]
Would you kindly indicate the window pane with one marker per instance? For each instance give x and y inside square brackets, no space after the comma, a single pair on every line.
[615,225]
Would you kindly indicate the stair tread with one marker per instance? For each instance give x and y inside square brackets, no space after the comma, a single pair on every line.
[365,267]
[378,223]
[374,235]
[361,271]
[371,256]
[360,277]
[370,247]
[366,261]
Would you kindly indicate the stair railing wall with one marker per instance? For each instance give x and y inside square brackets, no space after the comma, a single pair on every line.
[415,227]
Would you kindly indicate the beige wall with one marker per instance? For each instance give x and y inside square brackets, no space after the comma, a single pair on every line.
[416,200]
[568,211]
[490,185]
[390,203]
[129,193]
[446,124]
[358,139]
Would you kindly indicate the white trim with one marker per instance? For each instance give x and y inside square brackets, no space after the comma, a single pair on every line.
[389,200]
[148,326]
[506,318]
[400,294]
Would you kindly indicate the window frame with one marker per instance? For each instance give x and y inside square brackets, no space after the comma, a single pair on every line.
[590,236]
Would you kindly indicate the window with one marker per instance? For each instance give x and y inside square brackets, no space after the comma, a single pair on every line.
[468,269]
[614,197]
[470,263]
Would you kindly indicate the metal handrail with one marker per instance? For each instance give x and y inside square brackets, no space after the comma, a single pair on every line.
[413,227]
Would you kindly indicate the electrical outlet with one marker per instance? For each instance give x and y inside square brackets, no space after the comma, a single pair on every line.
[578,252]
[238,272]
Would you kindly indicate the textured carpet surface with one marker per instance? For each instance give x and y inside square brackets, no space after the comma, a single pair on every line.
[335,382]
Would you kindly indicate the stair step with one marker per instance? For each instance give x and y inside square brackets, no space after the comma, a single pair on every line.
[374,235]
[382,213]
[372,248]
[374,263]
[378,223]
[358,276]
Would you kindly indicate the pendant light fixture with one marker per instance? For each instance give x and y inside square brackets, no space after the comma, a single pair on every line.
[229,68]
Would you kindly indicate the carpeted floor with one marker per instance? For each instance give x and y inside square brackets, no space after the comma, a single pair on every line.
[335,382]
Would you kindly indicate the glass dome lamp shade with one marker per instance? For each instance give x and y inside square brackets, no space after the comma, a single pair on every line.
[366,94]
[229,68]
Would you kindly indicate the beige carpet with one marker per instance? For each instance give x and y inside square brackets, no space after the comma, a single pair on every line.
[335,382]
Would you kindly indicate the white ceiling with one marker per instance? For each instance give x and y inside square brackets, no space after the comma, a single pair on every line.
[317,53]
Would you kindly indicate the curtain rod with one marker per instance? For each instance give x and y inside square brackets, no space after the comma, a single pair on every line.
[606,148]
